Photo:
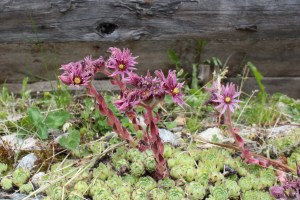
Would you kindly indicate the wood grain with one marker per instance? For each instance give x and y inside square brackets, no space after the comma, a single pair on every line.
[36,37]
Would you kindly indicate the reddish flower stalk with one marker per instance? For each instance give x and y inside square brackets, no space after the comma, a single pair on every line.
[227,103]
[112,120]
[156,144]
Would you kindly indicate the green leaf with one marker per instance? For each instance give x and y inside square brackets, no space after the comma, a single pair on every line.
[42,131]
[258,77]
[170,125]
[35,115]
[71,140]
[173,56]
[57,119]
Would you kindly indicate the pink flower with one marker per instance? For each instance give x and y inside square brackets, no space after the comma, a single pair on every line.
[133,79]
[171,86]
[96,65]
[76,73]
[226,98]
[277,191]
[122,62]
[216,87]
[129,99]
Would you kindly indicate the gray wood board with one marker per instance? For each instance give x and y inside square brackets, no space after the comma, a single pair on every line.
[286,85]
[274,58]
[119,20]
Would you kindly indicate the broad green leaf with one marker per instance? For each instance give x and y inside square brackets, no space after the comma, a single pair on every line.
[42,131]
[70,140]
[57,119]
[35,115]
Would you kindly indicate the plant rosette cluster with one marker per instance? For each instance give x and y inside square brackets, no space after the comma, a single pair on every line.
[225,99]
[144,91]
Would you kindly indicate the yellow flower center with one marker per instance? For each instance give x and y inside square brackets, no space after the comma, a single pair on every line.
[121,66]
[227,99]
[176,90]
[77,80]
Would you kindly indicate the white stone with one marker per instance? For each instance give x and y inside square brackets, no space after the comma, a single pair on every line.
[36,178]
[168,137]
[210,133]
[28,161]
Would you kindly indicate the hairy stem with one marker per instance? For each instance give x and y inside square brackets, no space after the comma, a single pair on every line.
[156,144]
[112,120]
[248,155]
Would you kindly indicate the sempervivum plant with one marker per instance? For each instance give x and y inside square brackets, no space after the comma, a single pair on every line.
[175,193]
[6,183]
[20,176]
[147,183]
[26,188]
[81,187]
[232,188]
[254,194]
[113,182]
[74,195]
[158,193]
[195,190]
[166,183]
[102,172]
[139,194]
[225,100]
[136,91]
[219,192]
[3,167]
[246,183]
[137,169]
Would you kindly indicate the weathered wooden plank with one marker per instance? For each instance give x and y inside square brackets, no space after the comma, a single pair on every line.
[285,85]
[46,86]
[274,58]
[78,20]
[37,36]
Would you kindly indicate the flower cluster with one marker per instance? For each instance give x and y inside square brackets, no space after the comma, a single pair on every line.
[289,189]
[145,91]
[80,73]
